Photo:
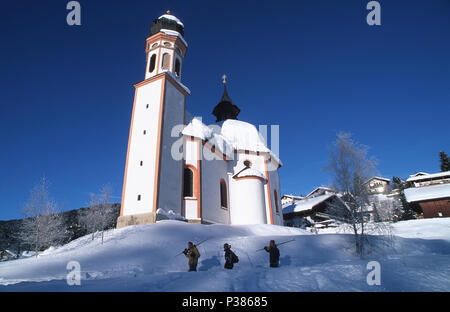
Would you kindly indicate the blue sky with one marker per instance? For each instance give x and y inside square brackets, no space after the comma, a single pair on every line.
[313,67]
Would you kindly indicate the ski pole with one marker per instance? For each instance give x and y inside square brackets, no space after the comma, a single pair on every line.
[194,245]
[279,244]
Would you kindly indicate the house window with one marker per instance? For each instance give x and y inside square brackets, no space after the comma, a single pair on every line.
[275,197]
[188,183]
[223,194]
[177,67]
[165,61]
[152,63]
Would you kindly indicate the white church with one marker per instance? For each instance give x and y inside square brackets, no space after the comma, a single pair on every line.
[222,173]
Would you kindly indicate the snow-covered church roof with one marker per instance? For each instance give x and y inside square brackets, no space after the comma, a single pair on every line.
[168,24]
[172,18]
[232,135]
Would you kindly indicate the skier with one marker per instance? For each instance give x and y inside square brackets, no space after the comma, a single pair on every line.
[230,257]
[192,254]
[274,254]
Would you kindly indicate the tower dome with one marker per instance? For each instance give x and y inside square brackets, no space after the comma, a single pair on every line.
[226,109]
[167,21]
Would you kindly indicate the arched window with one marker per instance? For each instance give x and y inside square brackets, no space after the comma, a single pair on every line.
[188,183]
[177,67]
[275,197]
[223,194]
[165,61]
[152,63]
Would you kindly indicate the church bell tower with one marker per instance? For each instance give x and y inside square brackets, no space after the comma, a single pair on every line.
[152,175]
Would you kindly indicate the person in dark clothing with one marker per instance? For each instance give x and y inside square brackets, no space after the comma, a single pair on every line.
[274,253]
[230,257]
[192,254]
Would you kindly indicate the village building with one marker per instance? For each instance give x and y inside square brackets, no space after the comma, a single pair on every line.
[377,185]
[431,193]
[313,210]
[221,173]
[321,190]
[6,255]
[287,200]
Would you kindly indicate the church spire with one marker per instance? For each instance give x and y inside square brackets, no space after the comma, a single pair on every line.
[225,109]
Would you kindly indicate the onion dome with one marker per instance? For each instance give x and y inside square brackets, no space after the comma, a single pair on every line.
[225,109]
[167,21]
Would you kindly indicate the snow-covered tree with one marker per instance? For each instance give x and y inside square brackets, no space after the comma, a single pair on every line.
[350,168]
[404,210]
[43,225]
[100,212]
[445,161]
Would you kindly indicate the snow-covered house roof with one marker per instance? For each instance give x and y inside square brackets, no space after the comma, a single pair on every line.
[420,173]
[321,188]
[232,135]
[428,176]
[416,194]
[6,255]
[306,204]
[292,196]
[377,178]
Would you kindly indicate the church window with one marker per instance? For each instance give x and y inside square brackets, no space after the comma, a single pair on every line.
[165,61]
[147,106]
[223,194]
[177,67]
[154,45]
[167,44]
[275,197]
[152,63]
[188,183]
[145,132]
[139,197]
[142,163]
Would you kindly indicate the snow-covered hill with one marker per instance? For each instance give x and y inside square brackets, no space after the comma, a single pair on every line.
[142,258]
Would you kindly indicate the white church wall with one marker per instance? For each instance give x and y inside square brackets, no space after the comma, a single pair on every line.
[190,208]
[171,53]
[213,170]
[191,152]
[171,170]
[191,157]
[257,161]
[140,179]
[247,201]
[274,181]
[149,74]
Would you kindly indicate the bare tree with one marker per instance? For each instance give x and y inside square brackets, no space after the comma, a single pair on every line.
[43,225]
[88,217]
[350,168]
[100,212]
